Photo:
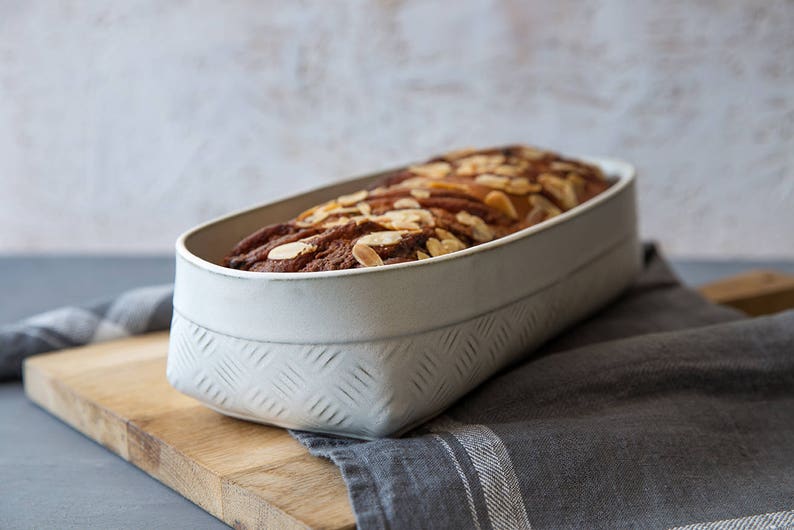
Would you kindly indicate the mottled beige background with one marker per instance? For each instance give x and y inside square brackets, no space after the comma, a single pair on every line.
[123,123]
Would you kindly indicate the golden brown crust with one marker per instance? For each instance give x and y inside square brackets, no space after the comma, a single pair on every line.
[449,203]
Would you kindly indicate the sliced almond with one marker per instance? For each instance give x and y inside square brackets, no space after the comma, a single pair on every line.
[500,201]
[579,184]
[560,189]
[532,153]
[406,225]
[467,219]
[541,202]
[306,213]
[449,240]
[420,193]
[507,170]
[406,202]
[446,185]
[339,221]
[408,215]
[536,215]
[316,217]
[353,198]
[413,182]
[340,209]
[421,255]
[435,248]
[492,181]
[522,186]
[320,208]
[564,166]
[444,234]
[290,250]
[364,208]
[452,245]
[433,170]
[482,233]
[473,165]
[366,256]
[381,239]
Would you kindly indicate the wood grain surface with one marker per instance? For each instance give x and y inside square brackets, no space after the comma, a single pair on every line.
[248,475]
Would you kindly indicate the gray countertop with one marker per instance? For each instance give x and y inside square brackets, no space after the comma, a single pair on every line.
[54,477]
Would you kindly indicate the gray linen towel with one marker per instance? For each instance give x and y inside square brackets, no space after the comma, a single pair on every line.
[137,311]
[662,410]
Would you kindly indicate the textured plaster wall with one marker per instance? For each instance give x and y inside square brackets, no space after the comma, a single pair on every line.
[123,123]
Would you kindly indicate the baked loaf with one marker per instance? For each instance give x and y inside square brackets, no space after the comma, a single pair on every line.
[449,203]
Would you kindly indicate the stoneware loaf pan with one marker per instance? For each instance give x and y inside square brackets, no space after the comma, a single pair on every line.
[372,352]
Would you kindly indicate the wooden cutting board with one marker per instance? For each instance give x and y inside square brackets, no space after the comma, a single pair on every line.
[248,475]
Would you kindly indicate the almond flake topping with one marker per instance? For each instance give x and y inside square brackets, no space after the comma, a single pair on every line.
[467,219]
[330,205]
[339,221]
[420,193]
[407,219]
[579,184]
[480,232]
[421,255]
[364,208]
[500,201]
[560,189]
[312,219]
[447,185]
[449,241]
[366,256]
[413,182]
[476,164]
[564,166]
[444,234]
[435,247]
[522,186]
[406,202]
[531,153]
[541,203]
[383,238]
[492,181]
[536,215]
[290,250]
[452,245]
[353,198]
[433,170]
[507,170]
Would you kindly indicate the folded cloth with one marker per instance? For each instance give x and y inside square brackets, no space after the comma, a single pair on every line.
[662,410]
[137,311]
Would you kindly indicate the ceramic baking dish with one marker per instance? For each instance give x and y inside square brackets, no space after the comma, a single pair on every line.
[372,352]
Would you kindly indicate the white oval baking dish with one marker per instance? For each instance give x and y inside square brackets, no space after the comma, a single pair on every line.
[372,352]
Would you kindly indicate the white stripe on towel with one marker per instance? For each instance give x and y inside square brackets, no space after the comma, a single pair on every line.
[494,469]
[765,521]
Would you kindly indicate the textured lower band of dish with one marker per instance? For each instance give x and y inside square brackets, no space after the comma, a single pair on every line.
[376,388]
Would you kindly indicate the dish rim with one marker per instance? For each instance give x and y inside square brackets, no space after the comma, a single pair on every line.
[625,176]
